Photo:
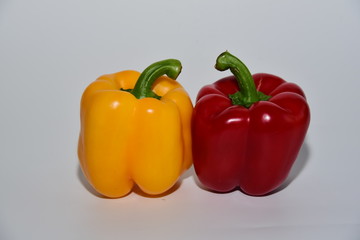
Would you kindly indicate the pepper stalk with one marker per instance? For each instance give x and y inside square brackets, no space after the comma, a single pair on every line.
[142,89]
[247,95]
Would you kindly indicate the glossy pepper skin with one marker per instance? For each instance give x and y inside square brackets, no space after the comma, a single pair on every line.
[135,129]
[247,130]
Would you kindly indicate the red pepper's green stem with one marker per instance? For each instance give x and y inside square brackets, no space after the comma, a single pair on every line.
[248,94]
[169,67]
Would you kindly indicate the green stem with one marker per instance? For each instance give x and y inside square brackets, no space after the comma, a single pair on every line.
[169,67]
[248,94]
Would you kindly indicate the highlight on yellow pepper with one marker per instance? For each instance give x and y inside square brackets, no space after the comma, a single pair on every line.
[135,129]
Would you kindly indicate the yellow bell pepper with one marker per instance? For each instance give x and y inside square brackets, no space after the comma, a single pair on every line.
[135,129]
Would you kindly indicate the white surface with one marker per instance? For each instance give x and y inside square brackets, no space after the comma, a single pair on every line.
[51,50]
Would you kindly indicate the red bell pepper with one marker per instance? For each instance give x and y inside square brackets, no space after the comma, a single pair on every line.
[247,129]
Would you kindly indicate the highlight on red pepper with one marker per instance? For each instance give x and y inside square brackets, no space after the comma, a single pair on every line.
[247,130]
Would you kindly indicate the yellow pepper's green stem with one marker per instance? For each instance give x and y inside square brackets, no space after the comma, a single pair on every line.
[248,94]
[169,67]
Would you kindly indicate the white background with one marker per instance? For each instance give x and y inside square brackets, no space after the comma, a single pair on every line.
[51,50]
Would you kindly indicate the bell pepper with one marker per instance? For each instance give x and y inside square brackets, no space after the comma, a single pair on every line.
[135,129]
[247,130]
